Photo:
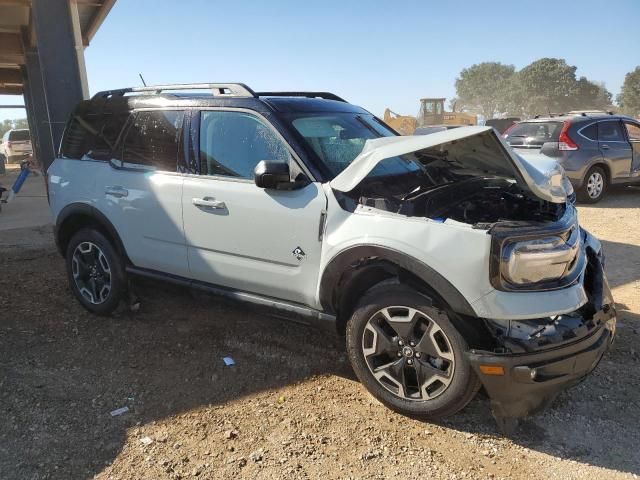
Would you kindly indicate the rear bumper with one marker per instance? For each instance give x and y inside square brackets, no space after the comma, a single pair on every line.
[535,362]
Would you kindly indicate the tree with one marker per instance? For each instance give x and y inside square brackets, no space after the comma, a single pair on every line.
[591,96]
[629,98]
[547,85]
[483,88]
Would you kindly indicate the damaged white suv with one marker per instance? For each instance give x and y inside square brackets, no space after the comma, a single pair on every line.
[447,261]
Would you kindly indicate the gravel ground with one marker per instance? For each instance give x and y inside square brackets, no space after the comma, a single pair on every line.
[290,407]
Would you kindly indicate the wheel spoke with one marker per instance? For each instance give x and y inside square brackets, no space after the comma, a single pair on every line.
[393,372]
[401,324]
[381,342]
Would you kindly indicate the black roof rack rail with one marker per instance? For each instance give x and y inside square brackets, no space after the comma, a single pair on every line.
[325,95]
[217,90]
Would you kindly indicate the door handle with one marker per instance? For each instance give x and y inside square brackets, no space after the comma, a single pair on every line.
[116,191]
[208,202]
[604,147]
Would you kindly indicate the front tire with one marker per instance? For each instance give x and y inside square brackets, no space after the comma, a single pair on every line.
[408,354]
[95,272]
[594,186]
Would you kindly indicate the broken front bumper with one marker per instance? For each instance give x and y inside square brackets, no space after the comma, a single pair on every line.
[528,371]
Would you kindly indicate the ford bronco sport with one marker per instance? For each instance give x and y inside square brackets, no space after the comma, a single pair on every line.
[447,261]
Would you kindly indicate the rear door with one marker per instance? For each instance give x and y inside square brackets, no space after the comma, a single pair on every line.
[241,236]
[142,191]
[633,134]
[615,147]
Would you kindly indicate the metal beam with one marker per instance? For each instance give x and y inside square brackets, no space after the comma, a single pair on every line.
[63,76]
[97,20]
[12,106]
[10,44]
[10,75]
[10,90]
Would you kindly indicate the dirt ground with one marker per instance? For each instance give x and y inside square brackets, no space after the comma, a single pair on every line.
[290,407]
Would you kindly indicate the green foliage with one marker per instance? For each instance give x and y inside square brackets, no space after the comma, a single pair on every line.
[629,98]
[482,87]
[10,124]
[546,85]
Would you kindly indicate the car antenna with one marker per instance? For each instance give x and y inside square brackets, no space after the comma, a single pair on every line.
[142,78]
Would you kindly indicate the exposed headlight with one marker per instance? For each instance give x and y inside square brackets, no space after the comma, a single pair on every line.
[540,261]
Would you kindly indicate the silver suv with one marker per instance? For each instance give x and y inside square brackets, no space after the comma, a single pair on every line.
[447,261]
[595,149]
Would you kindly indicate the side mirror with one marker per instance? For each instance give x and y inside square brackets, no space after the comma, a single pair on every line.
[272,174]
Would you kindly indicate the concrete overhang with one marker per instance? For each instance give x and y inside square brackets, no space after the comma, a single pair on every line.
[17,35]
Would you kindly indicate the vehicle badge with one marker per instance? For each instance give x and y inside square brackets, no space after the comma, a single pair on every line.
[299,253]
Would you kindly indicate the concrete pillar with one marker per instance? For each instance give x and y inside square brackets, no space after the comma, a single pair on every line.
[60,55]
[37,113]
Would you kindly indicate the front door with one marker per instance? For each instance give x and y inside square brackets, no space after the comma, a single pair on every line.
[239,235]
[633,134]
[614,146]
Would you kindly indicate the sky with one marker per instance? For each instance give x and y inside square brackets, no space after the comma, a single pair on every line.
[374,54]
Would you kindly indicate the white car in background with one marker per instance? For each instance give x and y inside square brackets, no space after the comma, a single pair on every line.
[16,145]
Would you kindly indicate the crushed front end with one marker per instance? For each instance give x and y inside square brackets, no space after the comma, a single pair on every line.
[534,360]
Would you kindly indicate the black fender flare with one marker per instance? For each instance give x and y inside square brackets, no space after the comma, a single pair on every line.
[353,255]
[86,210]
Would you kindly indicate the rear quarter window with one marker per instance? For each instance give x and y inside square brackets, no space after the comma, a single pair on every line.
[590,132]
[93,135]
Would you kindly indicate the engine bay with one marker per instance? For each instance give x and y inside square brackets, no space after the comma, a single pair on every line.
[477,201]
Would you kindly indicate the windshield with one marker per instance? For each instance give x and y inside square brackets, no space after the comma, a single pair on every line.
[338,138]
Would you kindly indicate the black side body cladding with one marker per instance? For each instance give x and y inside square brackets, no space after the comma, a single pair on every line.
[84,210]
[351,257]
[294,311]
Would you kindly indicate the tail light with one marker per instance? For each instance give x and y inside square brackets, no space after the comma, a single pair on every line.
[564,140]
[505,134]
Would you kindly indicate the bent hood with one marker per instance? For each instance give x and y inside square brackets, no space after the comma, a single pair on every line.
[479,150]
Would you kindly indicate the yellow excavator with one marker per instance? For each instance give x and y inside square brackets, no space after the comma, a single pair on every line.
[431,114]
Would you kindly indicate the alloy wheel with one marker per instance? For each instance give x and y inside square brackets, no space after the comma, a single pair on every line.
[91,272]
[595,184]
[408,353]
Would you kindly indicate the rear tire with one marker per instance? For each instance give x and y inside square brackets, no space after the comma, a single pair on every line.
[408,354]
[594,185]
[95,271]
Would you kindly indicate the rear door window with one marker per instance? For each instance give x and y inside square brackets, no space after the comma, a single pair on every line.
[153,139]
[610,131]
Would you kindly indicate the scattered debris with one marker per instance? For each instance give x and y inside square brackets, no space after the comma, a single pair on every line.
[256,456]
[119,411]
[229,434]
[228,361]
[281,399]
[146,441]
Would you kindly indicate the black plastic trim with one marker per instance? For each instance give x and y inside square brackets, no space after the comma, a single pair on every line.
[89,211]
[352,256]
[301,313]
